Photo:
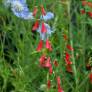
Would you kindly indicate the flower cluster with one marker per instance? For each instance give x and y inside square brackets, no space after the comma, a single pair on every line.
[43,28]
[45,62]
[67,55]
[86,11]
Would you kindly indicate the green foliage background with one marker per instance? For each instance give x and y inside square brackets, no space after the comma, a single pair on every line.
[16,38]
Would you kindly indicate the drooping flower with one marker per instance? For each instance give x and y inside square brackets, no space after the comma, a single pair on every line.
[20,9]
[48,16]
[69,47]
[40,45]
[59,84]
[50,70]
[35,26]
[48,84]
[48,45]
[43,29]
[35,11]
[43,10]
[42,60]
[67,58]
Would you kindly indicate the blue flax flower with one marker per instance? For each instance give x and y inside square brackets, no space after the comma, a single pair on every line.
[48,16]
[20,9]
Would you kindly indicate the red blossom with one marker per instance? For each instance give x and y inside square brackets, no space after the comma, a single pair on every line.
[67,59]
[43,10]
[48,64]
[42,60]
[58,81]
[48,84]
[58,84]
[35,26]
[82,11]
[60,90]
[50,70]
[48,45]
[43,29]
[35,11]
[40,45]
[69,47]
[90,77]
[90,14]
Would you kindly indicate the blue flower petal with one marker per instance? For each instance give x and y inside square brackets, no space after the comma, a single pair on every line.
[44,36]
[20,9]
[48,16]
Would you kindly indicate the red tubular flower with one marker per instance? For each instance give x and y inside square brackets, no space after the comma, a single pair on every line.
[69,47]
[43,30]
[40,45]
[58,81]
[42,60]
[67,59]
[90,14]
[35,26]
[48,84]
[35,11]
[58,84]
[50,70]
[48,45]
[43,10]
[90,77]
[82,11]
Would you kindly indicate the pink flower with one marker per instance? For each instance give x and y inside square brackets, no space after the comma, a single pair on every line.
[40,45]
[43,29]
[48,64]
[48,45]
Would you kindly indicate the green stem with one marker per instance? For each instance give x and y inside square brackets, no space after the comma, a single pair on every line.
[72,52]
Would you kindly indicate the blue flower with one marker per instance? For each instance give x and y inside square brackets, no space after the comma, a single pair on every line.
[45,36]
[48,16]
[20,9]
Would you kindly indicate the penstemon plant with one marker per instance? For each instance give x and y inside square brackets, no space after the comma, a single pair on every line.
[45,46]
